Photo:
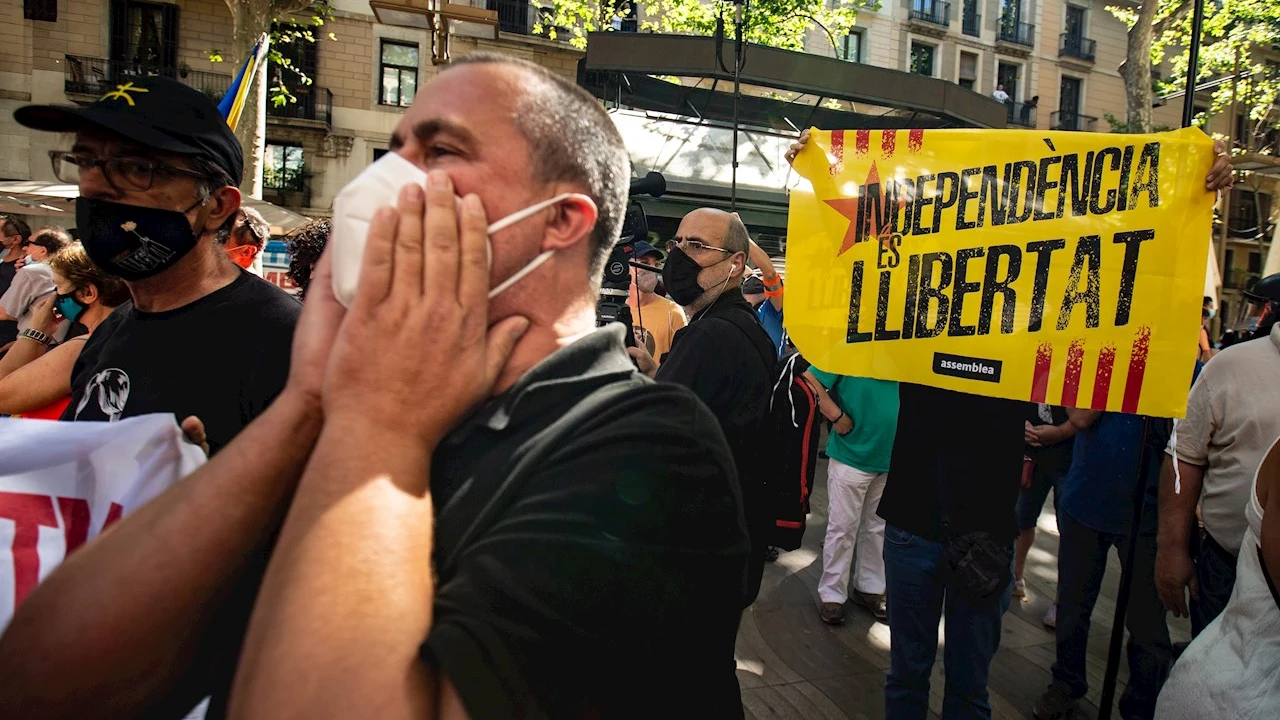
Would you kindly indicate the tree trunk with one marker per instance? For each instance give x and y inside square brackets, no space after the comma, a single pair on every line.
[250,19]
[1137,69]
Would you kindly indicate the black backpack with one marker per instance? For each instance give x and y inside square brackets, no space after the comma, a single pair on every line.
[789,443]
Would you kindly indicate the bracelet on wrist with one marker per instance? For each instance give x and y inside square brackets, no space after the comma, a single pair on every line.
[42,338]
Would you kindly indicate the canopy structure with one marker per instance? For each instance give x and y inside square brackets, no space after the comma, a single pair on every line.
[57,201]
[672,100]
[781,89]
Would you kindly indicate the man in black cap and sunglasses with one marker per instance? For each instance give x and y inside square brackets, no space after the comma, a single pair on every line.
[158,171]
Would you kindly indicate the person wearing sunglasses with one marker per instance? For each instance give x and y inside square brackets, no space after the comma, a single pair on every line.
[35,375]
[158,172]
[244,241]
[33,282]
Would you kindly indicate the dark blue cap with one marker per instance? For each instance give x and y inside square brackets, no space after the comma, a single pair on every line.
[645,249]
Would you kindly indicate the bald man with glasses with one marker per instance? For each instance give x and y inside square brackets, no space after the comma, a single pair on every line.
[724,355]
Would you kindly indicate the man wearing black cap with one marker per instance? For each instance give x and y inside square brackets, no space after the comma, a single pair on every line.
[158,170]
[655,318]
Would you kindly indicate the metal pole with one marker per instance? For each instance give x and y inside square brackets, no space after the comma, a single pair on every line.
[1107,700]
[1193,64]
[1126,578]
[738,6]
[1225,209]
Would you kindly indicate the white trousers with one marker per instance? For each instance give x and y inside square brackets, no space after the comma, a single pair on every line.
[852,499]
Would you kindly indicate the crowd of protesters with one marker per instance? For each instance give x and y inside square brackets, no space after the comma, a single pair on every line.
[451,500]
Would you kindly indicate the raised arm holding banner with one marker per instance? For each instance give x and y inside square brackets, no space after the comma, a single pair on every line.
[1057,267]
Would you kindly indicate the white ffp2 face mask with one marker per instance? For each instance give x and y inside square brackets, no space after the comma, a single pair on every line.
[379,185]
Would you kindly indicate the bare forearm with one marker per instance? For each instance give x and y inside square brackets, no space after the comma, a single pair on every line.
[1082,419]
[827,406]
[1178,498]
[24,350]
[347,598]
[120,621]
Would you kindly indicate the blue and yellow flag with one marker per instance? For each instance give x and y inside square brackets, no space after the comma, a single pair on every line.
[233,102]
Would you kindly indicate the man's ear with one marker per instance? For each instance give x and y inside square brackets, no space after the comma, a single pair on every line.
[87,294]
[222,203]
[575,217]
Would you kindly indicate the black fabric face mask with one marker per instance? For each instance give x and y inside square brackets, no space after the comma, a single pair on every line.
[133,242]
[680,276]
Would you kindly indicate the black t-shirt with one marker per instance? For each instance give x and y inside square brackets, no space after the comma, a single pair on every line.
[726,368]
[8,328]
[974,443]
[590,564]
[1052,458]
[222,358]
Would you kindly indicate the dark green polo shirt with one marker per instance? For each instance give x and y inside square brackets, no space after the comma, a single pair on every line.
[589,566]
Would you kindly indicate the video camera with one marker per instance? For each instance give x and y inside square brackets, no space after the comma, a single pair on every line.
[616,284]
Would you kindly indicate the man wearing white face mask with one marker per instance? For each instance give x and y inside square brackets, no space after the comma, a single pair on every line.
[724,355]
[655,318]
[490,512]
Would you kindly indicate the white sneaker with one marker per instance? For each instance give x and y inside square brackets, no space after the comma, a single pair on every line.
[1051,617]
[1019,588]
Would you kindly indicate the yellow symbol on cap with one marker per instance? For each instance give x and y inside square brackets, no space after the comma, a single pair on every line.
[122,93]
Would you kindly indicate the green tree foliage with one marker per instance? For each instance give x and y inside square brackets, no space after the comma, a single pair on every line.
[1239,37]
[777,23]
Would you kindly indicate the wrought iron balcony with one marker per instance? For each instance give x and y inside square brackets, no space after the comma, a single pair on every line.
[313,104]
[1018,33]
[1060,120]
[1077,46]
[931,11]
[514,16]
[1022,114]
[95,76]
[971,23]
[1239,278]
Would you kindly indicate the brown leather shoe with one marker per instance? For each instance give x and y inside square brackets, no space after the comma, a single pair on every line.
[874,603]
[832,613]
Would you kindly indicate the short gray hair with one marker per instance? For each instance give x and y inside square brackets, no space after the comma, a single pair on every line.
[571,139]
[736,238]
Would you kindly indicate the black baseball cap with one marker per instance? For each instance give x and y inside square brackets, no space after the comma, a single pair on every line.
[156,112]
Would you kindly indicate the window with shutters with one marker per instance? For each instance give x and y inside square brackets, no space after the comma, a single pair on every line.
[42,10]
[968,75]
[144,38]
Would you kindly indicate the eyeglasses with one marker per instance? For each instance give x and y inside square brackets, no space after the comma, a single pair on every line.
[693,246]
[122,173]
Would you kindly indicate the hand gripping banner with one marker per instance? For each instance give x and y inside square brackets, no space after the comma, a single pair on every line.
[1057,267]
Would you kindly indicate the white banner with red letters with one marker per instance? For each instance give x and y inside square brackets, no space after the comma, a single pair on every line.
[62,483]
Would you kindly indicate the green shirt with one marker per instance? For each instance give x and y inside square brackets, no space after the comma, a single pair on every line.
[872,405]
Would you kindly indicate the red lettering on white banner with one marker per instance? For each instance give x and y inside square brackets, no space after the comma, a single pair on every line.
[31,512]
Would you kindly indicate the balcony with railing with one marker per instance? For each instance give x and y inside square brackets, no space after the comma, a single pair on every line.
[1071,45]
[514,16]
[1239,278]
[1060,120]
[934,12]
[1016,32]
[971,23]
[1022,114]
[314,106]
[91,76]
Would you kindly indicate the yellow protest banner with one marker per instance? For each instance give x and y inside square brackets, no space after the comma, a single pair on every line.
[1058,267]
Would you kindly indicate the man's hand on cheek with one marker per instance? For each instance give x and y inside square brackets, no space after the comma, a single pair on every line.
[415,354]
